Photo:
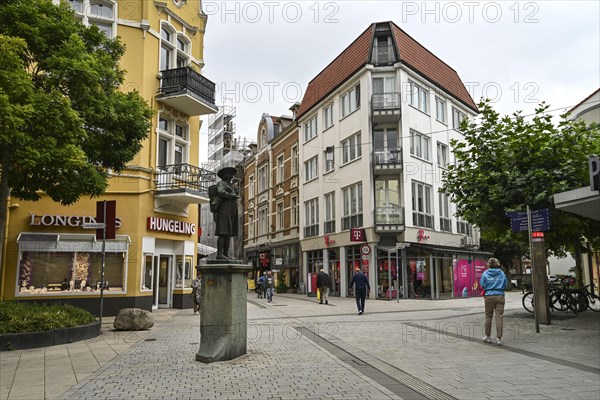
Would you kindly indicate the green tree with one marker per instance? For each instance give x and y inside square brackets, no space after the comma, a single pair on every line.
[64,123]
[506,163]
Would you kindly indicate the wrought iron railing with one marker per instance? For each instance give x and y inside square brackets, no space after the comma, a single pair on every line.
[185,78]
[184,176]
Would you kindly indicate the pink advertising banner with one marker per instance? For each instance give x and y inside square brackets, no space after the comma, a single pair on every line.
[466,277]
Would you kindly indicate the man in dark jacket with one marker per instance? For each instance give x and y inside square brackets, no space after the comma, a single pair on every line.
[323,285]
[361,288]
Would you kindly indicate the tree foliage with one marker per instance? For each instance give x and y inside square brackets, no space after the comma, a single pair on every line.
[506,163]
[63,120]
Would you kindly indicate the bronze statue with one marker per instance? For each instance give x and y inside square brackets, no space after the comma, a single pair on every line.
[223,204]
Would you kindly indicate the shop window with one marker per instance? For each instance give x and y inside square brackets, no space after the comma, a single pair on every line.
[183,272]
[147,272]
[43,272]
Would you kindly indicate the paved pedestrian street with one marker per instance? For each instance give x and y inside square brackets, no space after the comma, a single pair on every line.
[299,349]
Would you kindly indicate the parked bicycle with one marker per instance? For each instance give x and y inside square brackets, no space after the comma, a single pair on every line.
[566,298]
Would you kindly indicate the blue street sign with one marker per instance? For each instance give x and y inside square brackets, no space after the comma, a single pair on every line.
[540,220]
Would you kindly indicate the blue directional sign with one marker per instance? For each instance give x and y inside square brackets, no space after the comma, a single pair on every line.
[540,220]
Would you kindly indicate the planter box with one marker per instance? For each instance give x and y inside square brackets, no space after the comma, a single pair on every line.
[30,340]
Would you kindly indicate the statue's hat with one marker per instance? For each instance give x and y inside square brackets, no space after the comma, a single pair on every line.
[226,170]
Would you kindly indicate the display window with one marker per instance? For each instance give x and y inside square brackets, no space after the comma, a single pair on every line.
[69,265]
[148,269]
[183,273]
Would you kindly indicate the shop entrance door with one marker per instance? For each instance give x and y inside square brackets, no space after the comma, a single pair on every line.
[334,274]
[164,273]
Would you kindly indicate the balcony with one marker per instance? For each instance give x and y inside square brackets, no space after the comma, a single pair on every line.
[387,162]
[389,219]
[385,107]
[183,184]
[187,91]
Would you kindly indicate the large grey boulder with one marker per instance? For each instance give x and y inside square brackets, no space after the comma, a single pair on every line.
[133,319]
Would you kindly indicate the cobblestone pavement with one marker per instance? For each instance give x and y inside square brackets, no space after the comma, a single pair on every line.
[298,349]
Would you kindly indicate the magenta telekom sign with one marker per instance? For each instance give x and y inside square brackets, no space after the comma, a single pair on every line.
[358,235]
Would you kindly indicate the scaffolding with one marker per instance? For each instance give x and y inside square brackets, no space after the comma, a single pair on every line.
[221,131]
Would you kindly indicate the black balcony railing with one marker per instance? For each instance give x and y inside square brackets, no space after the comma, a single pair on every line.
[186,79]
[385,101]
[184,177]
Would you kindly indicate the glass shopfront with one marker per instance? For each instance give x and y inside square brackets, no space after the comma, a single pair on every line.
[334,272]
[69,264]
[389,276]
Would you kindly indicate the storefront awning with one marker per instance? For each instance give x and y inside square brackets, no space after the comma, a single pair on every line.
[205,250]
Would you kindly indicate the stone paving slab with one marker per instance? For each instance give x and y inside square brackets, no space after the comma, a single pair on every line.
[446,352]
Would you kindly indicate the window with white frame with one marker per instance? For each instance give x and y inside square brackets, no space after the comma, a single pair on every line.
[329,224]
[148,271]
[295,166]
[352,206]
[263,183]
[280,169]
[445,221]
[96,12]
[387,201]
[457,117]
[311,169]
[310,129]
[174,48]
[442,154]
[418,96]
[351,148]
[263,138]
[419,145]
[173,142]
[350,100]
[251,187]
[295,211]
[328,116]
[440,110]
[280,216]
[311,220]
[328,159]
[251,225]
[463,227]
[422,205]
[263,221]
[386,145]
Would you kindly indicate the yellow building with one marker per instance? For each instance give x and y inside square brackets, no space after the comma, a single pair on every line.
[50,256]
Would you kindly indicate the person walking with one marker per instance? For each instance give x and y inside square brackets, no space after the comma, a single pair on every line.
[493,282]
[361,288]
[261,285]
[323,284]
[196,295]
[269,285]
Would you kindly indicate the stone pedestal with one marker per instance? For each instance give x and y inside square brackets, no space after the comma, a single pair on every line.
[223,310]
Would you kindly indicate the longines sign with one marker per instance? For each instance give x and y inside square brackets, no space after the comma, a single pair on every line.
[64,220]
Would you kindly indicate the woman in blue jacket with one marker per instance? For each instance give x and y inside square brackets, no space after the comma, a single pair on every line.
[493,282]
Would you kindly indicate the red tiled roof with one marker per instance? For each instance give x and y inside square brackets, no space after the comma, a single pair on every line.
[339,70]
[411,53]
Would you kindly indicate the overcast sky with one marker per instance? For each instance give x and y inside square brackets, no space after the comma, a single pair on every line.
[262,54]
